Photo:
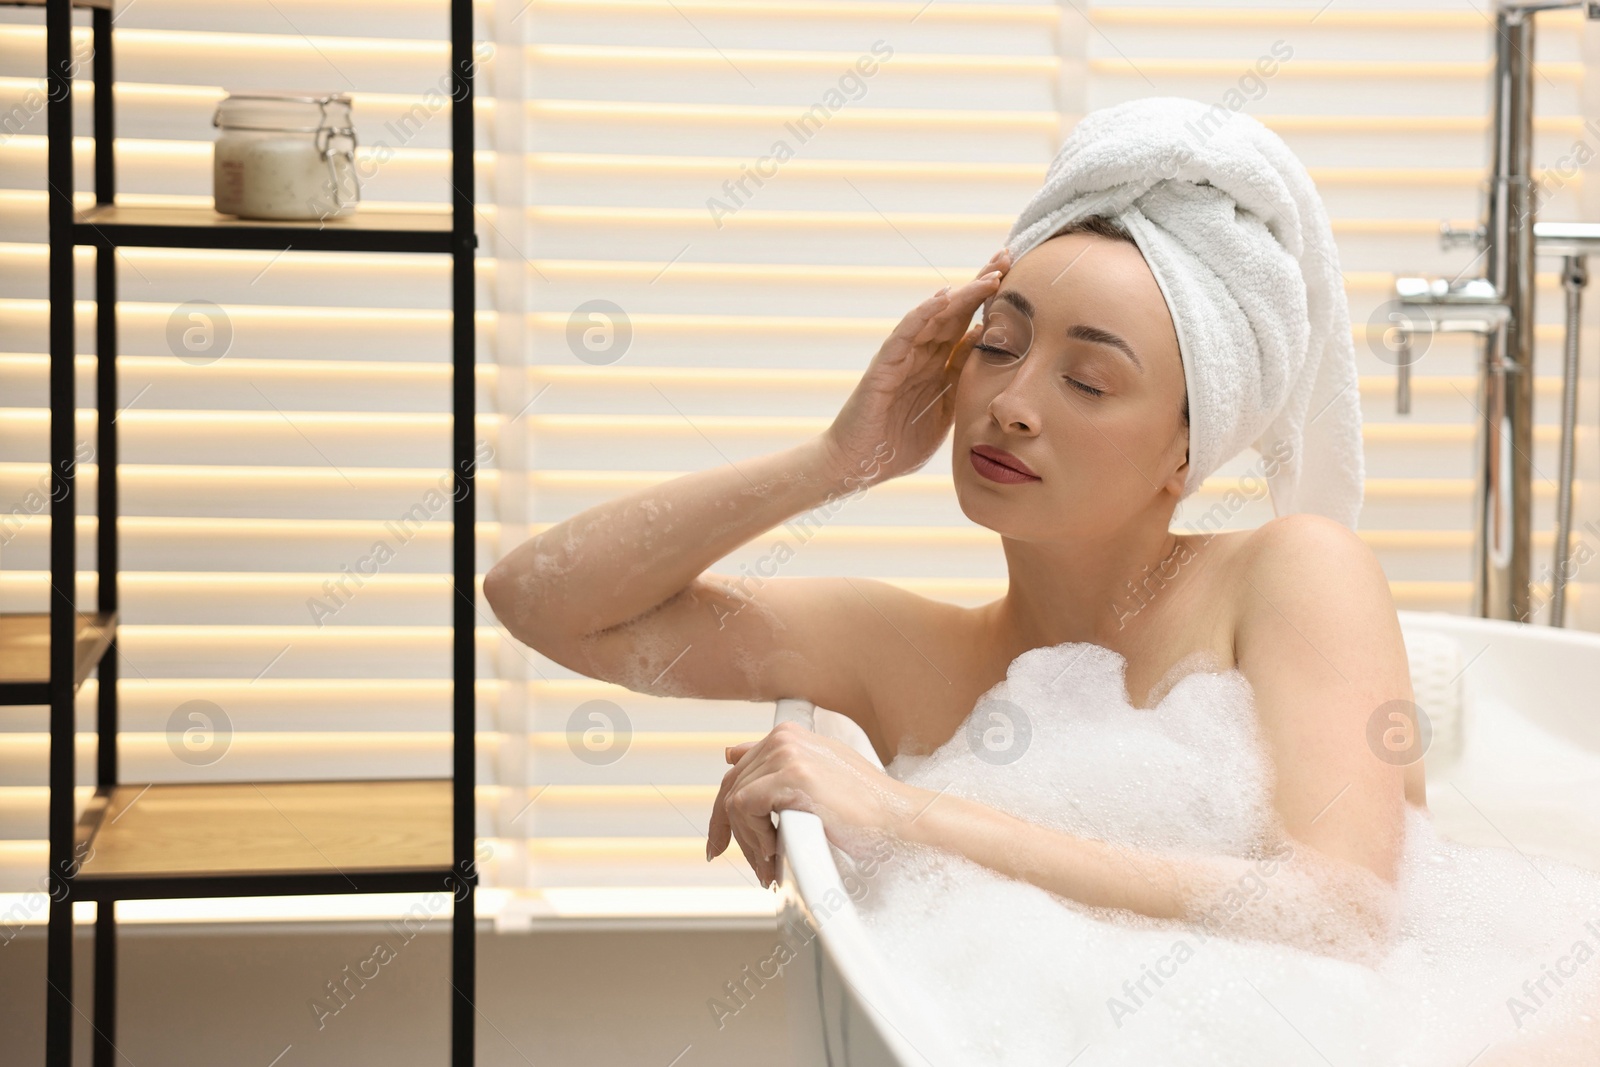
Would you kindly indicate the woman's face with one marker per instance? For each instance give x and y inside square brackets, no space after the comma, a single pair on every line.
[1051,383]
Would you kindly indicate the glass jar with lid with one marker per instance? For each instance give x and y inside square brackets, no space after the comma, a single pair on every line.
[285,155]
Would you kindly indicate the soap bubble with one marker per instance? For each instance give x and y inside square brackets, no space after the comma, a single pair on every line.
[998,732]
[1283,954]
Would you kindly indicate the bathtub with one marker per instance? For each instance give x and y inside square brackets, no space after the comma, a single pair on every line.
[1514,762]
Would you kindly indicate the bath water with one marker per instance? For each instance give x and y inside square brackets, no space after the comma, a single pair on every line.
[1476,954]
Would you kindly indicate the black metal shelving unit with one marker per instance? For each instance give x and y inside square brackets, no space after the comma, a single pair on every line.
[426,826]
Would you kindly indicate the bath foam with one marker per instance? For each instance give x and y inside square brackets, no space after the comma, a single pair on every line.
[1291,959]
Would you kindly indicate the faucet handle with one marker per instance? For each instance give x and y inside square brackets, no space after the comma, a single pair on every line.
[1478,236]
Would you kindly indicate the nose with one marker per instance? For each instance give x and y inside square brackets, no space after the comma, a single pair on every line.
[1015,407]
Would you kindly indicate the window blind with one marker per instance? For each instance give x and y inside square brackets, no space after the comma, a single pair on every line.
[698,222]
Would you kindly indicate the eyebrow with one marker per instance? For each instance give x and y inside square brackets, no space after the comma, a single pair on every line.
[1079,331]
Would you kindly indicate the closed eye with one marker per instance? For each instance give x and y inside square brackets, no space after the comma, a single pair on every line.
[1089,389]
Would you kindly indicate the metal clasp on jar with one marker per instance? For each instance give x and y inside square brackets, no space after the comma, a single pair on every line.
[324,142]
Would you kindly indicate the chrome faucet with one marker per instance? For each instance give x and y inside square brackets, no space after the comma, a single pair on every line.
[1572,241]
[1500,307]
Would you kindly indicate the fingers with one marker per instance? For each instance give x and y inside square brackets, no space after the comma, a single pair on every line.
[752,850]
[939,318]
[753,814]
[742,810]
[733,816]
[913,329]
[752,821]
[960,352]
[717,833]
[1001,260]
[720,829]
[967,297]
[763,837]
[944,306]
[954,310]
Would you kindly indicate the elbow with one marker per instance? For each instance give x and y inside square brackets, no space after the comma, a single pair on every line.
[522,602]
[510,595]
[499,585]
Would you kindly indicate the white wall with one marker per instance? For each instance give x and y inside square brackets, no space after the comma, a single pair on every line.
[237,995]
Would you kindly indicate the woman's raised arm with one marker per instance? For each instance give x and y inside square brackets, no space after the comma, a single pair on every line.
[617,560]
[622,592]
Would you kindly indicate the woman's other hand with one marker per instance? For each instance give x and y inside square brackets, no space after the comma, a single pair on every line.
[902,407]
[792,767]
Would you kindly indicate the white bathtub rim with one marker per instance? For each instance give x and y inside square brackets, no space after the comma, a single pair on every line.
[809,874]
[1496,655]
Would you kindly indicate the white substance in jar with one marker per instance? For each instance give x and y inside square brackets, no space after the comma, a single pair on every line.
[285,156]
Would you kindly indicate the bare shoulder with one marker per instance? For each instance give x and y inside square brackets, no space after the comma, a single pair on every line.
[1317,635]
[1314,574]
[1311,565]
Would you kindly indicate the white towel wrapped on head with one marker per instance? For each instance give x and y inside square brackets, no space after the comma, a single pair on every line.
[1237,237]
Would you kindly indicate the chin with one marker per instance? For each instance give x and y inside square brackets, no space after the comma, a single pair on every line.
[986,509]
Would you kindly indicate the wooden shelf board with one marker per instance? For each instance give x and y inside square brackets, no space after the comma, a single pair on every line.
[185,215]
[201,226]
[109,5]
[267,828]
[25,647]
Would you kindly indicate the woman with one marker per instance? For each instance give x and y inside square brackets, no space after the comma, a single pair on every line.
[1092,411]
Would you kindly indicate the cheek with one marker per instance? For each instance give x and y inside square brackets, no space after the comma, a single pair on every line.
[1120,453]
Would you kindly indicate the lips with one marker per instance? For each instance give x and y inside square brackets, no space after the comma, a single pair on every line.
[998,465]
